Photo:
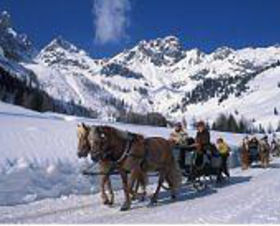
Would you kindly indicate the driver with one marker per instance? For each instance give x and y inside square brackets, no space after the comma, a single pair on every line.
[202,142]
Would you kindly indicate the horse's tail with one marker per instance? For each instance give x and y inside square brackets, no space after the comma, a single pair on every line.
[174,174]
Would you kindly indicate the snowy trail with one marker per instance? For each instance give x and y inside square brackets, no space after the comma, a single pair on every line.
[251,197]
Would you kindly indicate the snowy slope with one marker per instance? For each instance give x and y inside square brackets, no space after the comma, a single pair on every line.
[258,103]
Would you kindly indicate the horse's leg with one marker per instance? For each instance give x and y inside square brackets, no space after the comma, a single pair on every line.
[143,185]
[104,181]
[126,204]
[172,190]
[266,161]
[143,182]
[133,191]
[110,188]
[160,182]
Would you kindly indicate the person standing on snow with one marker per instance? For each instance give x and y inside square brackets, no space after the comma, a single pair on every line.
[264,150]
[224,151]
[179,137]
[253,149]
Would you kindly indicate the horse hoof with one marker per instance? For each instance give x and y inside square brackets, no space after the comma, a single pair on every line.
[153,201]
[142,199]
[125,207]
[106,202]
[173,197]
[110,203]
[134,197]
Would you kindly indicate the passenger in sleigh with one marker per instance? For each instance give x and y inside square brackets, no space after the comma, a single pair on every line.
[224,151]
[204,150]
[202,143]
[179,137]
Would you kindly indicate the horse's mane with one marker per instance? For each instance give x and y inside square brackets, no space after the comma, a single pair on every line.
[123,134]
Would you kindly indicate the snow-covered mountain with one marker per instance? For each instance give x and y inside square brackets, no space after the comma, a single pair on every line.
[191,83]
[161,76]
[65,72]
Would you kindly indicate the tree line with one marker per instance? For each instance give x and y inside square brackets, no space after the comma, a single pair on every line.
[228,123]
[153,118]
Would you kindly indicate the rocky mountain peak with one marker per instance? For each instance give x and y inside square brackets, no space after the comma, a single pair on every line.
[17,47]
[60,43]
[161,52]
[61,52]
[222,53]
[5,20]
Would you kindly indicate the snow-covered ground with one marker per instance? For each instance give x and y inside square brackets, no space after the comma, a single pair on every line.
[250,197]
[41,180]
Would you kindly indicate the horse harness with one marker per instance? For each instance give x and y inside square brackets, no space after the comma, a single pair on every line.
[115,163]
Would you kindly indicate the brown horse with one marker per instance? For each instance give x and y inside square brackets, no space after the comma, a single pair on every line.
[131,152]
[245,154]
[84,149]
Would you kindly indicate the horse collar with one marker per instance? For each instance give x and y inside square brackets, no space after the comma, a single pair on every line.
[127,149]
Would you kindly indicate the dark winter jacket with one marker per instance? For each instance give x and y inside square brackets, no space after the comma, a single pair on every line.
[253,144]
[203,140]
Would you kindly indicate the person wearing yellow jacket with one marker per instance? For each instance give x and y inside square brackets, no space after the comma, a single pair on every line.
[224,151]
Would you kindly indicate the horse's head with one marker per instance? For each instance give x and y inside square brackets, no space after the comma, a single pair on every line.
[99,141]
[83,141]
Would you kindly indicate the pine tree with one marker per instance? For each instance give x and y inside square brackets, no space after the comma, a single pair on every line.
[261,129]
[184,122]
[243,125]
[275,111]
[214,126]
[278,127]
[270,128]
[193,122]
[232,124]
[208,125]
[221,123]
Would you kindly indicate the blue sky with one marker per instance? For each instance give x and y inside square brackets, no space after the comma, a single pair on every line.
[106,27]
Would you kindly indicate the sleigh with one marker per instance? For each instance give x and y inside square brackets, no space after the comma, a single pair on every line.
[209,169]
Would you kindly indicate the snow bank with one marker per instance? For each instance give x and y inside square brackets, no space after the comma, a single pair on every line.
[250,197]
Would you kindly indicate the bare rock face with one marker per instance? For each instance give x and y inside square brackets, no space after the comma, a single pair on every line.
[16,47]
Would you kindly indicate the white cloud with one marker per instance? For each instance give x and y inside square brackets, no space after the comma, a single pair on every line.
[111,20]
